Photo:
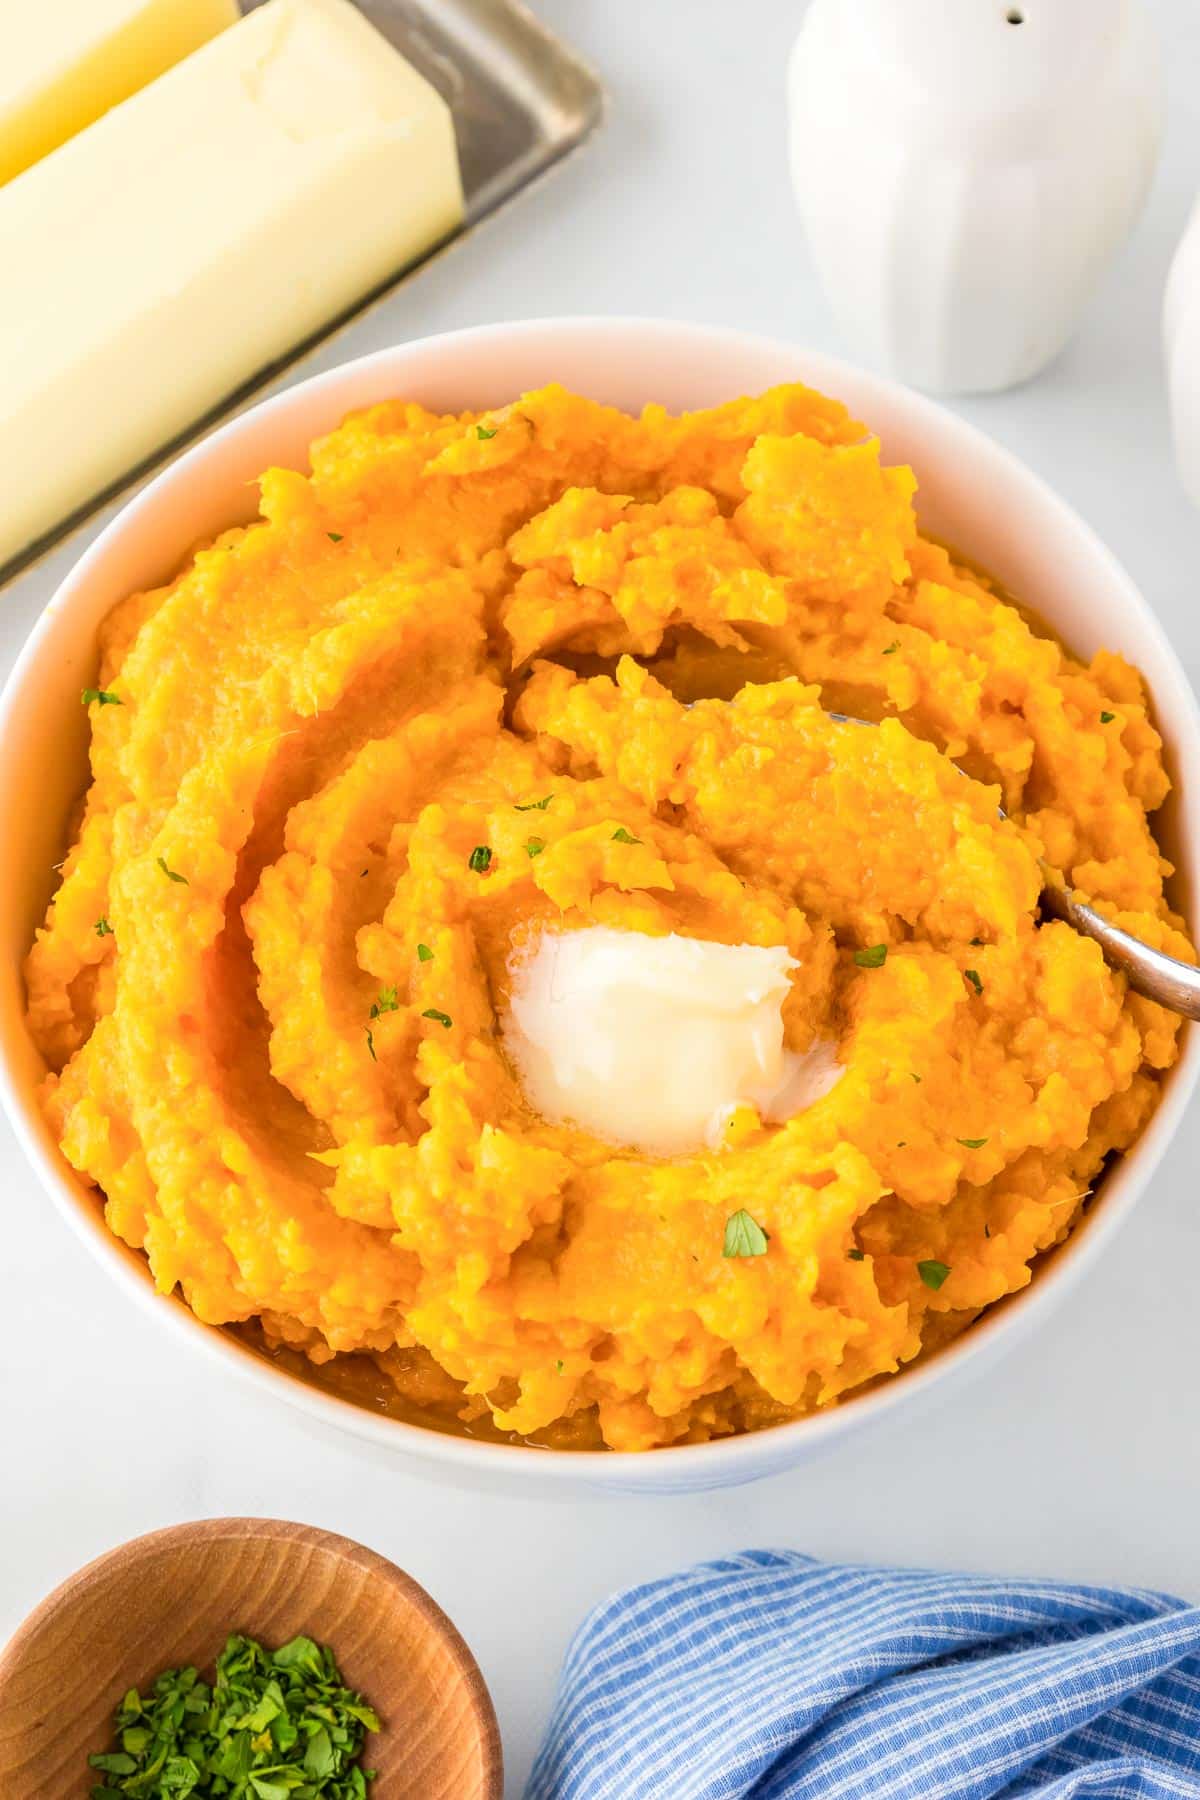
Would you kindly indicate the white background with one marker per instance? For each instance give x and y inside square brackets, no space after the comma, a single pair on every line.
[1080,1454]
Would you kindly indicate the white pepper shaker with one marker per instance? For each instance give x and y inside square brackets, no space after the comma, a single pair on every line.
[1181,341]
[966,168]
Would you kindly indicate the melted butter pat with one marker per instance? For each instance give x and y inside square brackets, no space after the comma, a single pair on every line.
[653,1042]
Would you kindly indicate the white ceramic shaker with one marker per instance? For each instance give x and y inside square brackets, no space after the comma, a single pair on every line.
[1181,340]
[966,168]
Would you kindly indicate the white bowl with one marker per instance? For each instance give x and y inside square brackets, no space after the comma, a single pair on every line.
[972,494]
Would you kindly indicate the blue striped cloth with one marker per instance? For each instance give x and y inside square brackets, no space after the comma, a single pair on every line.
[768,1675]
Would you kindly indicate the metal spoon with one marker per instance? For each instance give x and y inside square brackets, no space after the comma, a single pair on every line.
[1150,972]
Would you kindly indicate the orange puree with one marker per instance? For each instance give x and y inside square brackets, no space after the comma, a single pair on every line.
[618,638]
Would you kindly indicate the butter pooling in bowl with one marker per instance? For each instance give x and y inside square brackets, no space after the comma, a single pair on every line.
[655,1042]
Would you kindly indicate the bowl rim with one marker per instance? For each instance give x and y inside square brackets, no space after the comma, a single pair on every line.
[408,1591]
[747,1456]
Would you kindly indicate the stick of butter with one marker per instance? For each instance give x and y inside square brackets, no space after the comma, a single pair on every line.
[199,231]
[65,62]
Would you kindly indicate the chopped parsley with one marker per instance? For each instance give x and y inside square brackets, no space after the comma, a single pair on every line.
[971,1143]
[744,1236]
[534,846]
[534,805]
[388,1001]
[972,975]
[1106,718]
[933,1273]
[857,1255]
[102,928]
[424,953]
[874,958]
[171,874]
[481,431]
[621,836]
[559,1365]
[371,1044]
[104,696]
[439,1018]
[913,1076]
[335,537]
[480,859]
[892,647]
[273,1726]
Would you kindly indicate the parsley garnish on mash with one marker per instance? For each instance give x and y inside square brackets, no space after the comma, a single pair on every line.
[972,976]
[424,953]
[171,874]
[439,1018]
[534,805]
[933,1273]
[744,1236]
[480,859]
[105,696]
[874,958]
[388,1001]
[276,1725]
[102,928]
[621,836]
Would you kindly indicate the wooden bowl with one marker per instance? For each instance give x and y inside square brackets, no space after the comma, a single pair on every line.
[173,1597]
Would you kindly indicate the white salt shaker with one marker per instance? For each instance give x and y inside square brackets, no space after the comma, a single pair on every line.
[1181,341]
[966,168]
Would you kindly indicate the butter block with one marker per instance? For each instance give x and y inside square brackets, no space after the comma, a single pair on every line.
[199,231]
[65,62]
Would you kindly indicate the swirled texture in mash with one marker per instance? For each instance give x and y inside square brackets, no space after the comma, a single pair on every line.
[603,650]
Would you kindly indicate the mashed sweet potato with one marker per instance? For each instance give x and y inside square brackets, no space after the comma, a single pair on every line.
[269,983]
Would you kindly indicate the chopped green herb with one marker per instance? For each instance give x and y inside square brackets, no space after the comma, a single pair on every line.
[913,1076]
[857,1255]
[424,953]
[972,975]
[279,1726]
[559,1365]
[1106,718]
[388,1001]
[621,836]
[480,859]
[534,846]
[104,696]
[371,1044]
[172,874]
[892,647]
[534,805]
[439,1018]
[102,927]
[933,1273]
[744,1236]
[977,942]
[481,431]
[874,958]
[335,537]
[971,1143]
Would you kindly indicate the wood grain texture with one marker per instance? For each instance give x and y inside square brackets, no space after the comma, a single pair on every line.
[173,1597]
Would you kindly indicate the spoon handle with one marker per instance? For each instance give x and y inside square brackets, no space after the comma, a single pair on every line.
[1152,973]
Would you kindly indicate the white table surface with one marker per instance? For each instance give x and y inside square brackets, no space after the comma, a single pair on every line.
[1080,1454]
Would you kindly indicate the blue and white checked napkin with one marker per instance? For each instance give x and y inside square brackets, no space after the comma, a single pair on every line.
[768,1675]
